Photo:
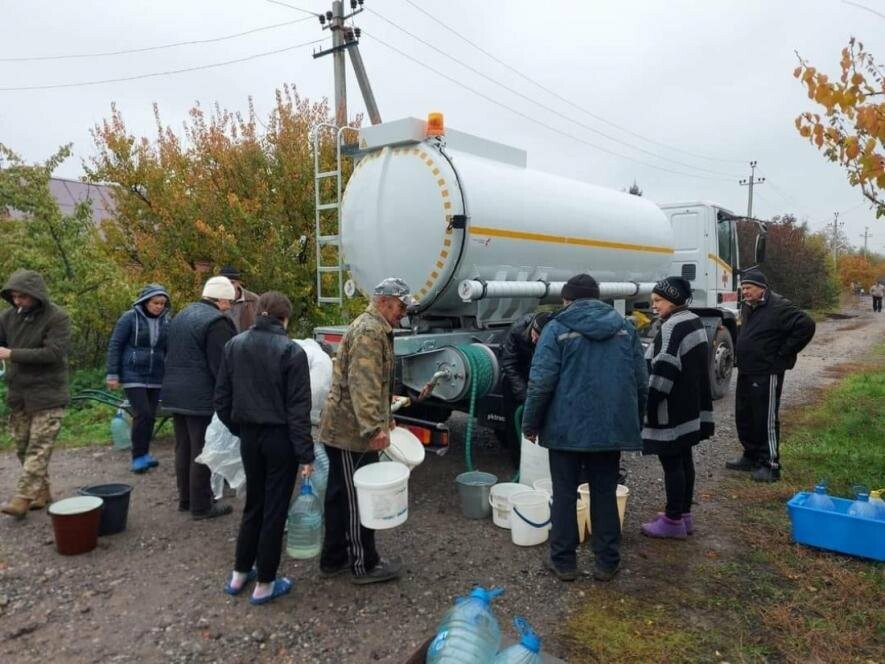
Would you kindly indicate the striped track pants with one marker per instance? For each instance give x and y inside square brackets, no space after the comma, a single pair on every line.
[757,403]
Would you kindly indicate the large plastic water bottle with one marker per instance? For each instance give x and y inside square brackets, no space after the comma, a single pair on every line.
[862,507]
[120,431]
[819,500]
[305,525]
[320,476]
[878,503]
[469,632]
[527,651]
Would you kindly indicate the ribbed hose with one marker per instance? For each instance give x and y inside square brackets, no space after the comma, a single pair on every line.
[482,376]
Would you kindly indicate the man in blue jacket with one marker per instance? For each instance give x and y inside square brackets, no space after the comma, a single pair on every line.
[586,398]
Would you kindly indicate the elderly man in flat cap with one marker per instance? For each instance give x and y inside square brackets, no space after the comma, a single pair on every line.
[355,427]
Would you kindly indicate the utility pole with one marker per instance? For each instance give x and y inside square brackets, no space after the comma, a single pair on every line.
[866,236]
[751,183]
[345,38]
[835,240]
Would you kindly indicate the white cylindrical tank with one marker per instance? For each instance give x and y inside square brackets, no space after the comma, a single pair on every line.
[399,217]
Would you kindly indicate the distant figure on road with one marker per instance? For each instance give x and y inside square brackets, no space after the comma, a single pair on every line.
[877,290]
[34,339]
[586,401]
[263,396]
[137,361]
[679,413]
[516,362]
[772,333]
[245,304]
[196,342]
[356,426]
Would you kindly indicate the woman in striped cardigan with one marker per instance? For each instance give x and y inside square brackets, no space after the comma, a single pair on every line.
[679,412]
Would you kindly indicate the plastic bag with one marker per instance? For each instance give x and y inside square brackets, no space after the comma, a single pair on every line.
[222,454]
[320,367]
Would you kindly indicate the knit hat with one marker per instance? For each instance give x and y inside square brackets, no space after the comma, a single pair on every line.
[674,289]
[580,287]
[754,276]
[230,272]
[219,288]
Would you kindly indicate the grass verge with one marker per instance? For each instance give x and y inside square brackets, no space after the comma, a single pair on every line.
[745,592]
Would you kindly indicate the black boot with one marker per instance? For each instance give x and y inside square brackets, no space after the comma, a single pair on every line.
[744,463]
[766,474]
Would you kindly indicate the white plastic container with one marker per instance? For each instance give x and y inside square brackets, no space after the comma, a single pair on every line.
[382,493]
[405,448]
[545,484]
[499,499]
[529,518]
[534,462]
[623,493]
[581,510]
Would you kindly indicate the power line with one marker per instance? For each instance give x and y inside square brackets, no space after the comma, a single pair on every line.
[211,40]
[864,7]
[545,107]
[170,72]
[298,9]
[564,99]
[539,122]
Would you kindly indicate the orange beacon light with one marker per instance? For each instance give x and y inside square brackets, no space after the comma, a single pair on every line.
[435,124]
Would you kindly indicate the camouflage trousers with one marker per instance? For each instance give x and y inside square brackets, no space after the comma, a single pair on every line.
[34,435]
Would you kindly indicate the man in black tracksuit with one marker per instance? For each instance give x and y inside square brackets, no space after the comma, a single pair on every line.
[773,331]
[516,362]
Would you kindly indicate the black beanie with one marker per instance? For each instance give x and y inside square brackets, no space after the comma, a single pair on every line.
[580,287]
[755,277]
[674,289]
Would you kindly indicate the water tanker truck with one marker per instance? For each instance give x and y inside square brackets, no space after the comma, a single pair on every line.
[482,239]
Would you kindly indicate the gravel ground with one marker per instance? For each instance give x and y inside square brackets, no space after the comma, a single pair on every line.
[153,593]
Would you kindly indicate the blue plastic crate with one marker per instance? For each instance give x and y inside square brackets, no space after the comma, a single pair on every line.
[834,530]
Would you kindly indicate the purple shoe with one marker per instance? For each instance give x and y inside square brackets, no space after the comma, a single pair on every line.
[689,522]
[665,527]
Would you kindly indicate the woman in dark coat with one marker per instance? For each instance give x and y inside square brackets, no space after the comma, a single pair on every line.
[262,395]
[679,411]
[136,360]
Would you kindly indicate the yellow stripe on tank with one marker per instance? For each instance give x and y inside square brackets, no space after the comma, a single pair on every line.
[721,263]
[564,239]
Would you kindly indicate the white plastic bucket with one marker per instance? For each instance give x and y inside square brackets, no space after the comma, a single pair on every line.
[529,517]
[405,448]
[534,462]
[382,493]
[499,499]
[545,485]
[581,511]
[623,493]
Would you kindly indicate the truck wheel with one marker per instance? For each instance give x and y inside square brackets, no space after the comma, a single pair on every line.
[721,363]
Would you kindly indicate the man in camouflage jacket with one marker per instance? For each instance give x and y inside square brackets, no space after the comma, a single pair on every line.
[355,427]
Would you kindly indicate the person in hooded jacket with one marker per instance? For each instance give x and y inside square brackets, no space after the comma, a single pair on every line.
[136,360]
[34,339]
[586,401]
[680,404]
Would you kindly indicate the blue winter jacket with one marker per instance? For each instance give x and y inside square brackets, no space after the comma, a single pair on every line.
[137,349]
[588,383]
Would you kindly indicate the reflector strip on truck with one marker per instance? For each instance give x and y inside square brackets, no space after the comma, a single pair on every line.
[564,239]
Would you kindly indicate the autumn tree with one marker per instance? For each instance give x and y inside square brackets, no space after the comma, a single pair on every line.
[859,270]
[228,188]
[65,248]
[851,131]
[797,263]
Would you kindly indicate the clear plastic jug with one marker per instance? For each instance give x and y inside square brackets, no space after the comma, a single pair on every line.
[121,434]
[304,538]
[527,651]
[862,507]
[320,477]
[469,632]
[819,499]
[876,500]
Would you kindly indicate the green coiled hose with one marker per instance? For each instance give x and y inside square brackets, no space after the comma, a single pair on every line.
[482,377]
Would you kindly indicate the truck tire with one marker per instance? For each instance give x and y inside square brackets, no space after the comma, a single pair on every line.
[721,363]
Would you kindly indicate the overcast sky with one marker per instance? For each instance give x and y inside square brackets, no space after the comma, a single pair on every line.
[708,88]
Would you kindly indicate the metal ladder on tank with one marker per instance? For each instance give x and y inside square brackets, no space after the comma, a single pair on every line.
[334,238]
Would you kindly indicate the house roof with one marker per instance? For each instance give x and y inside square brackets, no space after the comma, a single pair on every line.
[69,193]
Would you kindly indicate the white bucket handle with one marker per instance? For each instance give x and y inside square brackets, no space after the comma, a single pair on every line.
[532,523]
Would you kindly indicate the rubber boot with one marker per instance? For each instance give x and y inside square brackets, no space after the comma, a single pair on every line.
[17,507]
[43,499]
[664,527]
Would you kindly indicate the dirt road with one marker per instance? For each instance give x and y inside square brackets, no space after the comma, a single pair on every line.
[153,593]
